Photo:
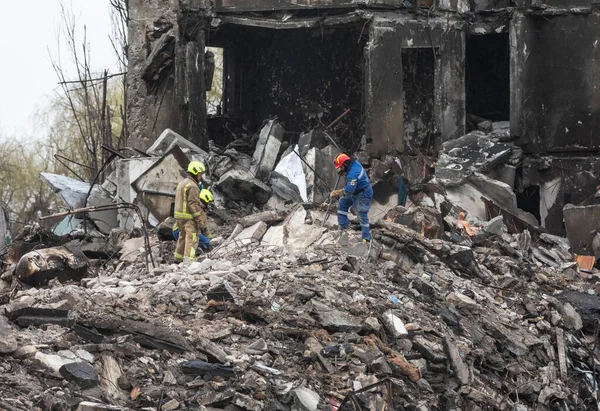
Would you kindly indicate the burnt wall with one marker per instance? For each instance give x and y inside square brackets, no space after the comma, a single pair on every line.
[305,77]
[560,101]
[391,110]
[559,181]
[165,82]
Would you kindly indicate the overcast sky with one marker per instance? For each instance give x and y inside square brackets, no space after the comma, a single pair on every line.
[28,35]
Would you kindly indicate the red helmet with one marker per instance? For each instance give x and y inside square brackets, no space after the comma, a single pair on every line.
[340,160]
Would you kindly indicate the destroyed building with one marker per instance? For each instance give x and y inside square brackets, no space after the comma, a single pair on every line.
[464,300]
[413,73]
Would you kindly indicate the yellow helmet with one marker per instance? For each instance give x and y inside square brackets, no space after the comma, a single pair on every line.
[206,196]
[196,168]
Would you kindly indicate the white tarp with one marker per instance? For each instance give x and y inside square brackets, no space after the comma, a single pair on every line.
[290,166]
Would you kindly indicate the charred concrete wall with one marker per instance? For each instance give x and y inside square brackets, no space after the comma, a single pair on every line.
[301,76]
[559,101]
[395,124]
[555,106]
[165,85]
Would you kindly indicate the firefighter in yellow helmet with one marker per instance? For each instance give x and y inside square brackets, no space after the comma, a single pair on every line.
[206,200]
[189,214]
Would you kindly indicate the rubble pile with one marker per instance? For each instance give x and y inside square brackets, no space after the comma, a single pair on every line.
[290,313]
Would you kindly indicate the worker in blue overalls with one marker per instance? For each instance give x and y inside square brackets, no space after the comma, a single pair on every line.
[357,192]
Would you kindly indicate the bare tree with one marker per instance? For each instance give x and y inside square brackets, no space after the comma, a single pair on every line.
[119,41]
[85,96]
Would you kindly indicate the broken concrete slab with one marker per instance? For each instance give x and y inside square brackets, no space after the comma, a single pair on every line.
[471,153]
[53,362]
[127,171]
[222,292]
[110,374]
[239,184]
[37,268]
[285,189]
[82,374]
[334,320]
[320,173]
[247,403]
[433,351]
[133,248]
[8,341]
[267,217]
[394,324]
[462,301]
[252,234]
[156,186]
[297,234]
[169,139]
[267,150]
[461,371]
[587,305]
[274,237]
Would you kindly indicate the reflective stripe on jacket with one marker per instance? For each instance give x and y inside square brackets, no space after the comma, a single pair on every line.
[356,179]
[187,203]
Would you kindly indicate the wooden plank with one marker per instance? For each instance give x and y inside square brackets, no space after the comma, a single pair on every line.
[562,361]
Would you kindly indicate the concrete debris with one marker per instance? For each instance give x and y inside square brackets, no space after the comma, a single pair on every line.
[241,185]
[474,152]
[461,299]
[283,308]
[8,341]
[267,150]
[394,324]
[82,374]
[170,139]
[155,186]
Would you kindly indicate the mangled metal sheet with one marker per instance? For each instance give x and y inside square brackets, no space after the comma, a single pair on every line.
[68,225]
[156,186]
[74,193]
